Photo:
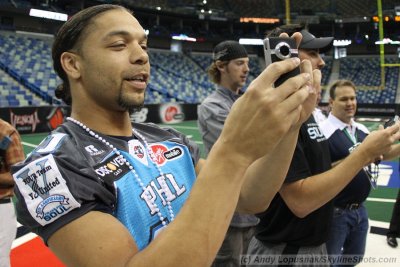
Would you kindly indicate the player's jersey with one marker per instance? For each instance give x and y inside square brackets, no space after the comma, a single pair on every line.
[71,173]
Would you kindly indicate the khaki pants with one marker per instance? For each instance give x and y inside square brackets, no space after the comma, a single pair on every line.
[8,231]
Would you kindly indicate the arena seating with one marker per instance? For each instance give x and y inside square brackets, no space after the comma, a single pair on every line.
[12,94]
[365,72]
[28,60]
[29,79]
[178,76]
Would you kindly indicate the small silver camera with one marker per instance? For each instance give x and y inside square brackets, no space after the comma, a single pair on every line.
[392,121]
[277,49]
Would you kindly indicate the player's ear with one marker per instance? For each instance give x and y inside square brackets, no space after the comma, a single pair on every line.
[71,64]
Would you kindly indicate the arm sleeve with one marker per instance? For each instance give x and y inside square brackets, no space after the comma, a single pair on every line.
[299,167]
[211,119]
[54,188]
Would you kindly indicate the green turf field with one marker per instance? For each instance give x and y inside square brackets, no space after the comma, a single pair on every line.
[379,205]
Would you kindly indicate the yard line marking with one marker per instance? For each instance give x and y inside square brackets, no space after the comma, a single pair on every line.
[180,127]
[23,239]
[379,224]
[381,199]
[28,144]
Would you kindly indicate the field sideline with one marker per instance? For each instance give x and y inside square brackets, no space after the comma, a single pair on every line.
[28,250]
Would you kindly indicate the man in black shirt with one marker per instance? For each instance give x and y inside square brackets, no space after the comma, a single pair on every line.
[295,227]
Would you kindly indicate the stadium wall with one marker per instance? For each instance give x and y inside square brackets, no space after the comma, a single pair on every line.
[46,118]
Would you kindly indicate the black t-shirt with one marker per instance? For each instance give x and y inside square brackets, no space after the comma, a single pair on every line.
[278,224]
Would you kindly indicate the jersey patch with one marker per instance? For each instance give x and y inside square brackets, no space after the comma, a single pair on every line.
[51,143]
[162,154]
[173,153]
[45,191]
[93,151]
[138,151]
[112,168]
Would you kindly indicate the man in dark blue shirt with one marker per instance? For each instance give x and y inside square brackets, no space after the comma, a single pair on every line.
[348,232]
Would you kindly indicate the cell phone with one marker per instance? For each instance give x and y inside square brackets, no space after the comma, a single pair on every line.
[278,49]
[391,121]
[388,123]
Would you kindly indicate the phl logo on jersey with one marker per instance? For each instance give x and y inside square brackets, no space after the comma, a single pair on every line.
[167,193]
[162,153]
[45,191]
[162,190]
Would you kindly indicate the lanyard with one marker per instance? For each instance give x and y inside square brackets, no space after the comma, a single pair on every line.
[353,138]
[371,177]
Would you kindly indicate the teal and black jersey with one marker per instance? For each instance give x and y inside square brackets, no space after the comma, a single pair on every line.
[71,173]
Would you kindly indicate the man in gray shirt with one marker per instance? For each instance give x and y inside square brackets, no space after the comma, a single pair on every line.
[229,70]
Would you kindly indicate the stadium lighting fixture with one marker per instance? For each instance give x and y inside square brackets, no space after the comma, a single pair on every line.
[184,37]
[48,14]
[250,41]
[341,42]
[259,20]
[388,41]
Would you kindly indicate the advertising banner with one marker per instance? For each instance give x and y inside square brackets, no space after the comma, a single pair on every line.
[34,119]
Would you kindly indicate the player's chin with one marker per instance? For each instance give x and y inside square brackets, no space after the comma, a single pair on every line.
[136,102]
[131,102]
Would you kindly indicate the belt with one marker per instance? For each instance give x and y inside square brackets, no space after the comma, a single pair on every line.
[5,200]
[350,206]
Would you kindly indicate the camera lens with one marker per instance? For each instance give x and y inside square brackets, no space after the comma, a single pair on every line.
[282,50]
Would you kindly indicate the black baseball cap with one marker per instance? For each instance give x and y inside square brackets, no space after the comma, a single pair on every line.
[309,41]
[228,50]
